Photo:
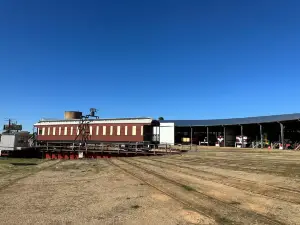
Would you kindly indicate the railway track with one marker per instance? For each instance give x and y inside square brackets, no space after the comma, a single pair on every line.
[11,182]
[233,160]
[213,206]
[249,186]
[246,165]
[182,201]
[267,168]
[228,177]
[256,159]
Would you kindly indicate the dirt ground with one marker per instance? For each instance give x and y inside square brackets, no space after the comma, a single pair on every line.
[210,186]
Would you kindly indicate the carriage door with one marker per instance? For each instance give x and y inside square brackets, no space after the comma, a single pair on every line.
[155,134]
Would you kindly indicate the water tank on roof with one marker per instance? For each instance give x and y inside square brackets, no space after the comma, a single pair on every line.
[69,115]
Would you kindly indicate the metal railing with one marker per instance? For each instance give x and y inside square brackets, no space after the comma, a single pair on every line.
[256,144]
[275,145]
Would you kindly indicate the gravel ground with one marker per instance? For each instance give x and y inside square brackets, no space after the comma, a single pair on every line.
[211,186]
[88,192]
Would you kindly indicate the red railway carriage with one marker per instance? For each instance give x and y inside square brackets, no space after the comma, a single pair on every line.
[100,130]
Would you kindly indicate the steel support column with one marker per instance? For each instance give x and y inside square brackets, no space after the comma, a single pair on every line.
[224,136]
[282,135]
[158,134]
[191,138]
[261,136]
[207,135]
[242,134]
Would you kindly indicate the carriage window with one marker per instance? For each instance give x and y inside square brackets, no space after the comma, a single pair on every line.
[111,130]
[118,130]
[71,133]
[54,129]
[97,130]
[91,130]
[40,131]
[126,128]
[43,131]
[59,131]
[142,130]
[133,130]
[66,131]
[104,130]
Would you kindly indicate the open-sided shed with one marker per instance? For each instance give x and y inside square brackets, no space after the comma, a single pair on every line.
[277,128]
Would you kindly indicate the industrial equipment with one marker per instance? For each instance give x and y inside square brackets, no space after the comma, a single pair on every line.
[12,138]
[242,141]
[220,141]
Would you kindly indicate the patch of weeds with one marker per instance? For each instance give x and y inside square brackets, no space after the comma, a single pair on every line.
[135,206]
[25,161]
[224,220]
[188,188]
[234,203]
[187,209]
[98,169]
[98,217]
[23,164]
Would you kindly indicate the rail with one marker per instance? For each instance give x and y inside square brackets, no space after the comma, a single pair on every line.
[275,145]
[256,144]
[109,147]
[297,147]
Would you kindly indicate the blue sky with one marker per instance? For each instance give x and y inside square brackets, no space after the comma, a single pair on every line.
[177,59]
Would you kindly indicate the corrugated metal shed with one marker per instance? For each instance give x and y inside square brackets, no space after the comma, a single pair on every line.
[235,121]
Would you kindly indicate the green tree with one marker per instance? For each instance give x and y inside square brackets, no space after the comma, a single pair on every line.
[161,118]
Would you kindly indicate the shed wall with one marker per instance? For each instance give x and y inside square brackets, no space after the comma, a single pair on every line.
[167,133]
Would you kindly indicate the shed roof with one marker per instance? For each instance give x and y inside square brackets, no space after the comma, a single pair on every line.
[236,121]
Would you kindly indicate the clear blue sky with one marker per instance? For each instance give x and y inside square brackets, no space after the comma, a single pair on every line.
[177,59]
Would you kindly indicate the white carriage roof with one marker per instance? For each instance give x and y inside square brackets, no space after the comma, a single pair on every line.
[95,121]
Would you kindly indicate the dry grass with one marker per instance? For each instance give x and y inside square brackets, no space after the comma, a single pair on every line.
[212,186]
[188,188]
